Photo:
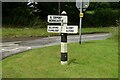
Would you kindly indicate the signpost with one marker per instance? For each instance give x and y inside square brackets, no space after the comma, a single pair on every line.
[82,5]
[57,19]
[54,28]
[59,29]
[63,29]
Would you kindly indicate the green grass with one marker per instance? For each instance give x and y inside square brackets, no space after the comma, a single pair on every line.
[92,59]
[24,32]
[99,30]
[42,32]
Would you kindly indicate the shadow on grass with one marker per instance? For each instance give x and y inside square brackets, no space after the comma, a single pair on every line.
[89,42]
[73,61]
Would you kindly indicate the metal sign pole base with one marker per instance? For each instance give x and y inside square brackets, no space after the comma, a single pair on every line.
[80,30]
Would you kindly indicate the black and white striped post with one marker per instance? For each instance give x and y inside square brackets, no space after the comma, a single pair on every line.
[63,29]
[64,55]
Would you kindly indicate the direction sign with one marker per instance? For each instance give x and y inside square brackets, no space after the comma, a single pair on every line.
[62,29]
[84,3]
[57,19]
[70,29]
[54,28]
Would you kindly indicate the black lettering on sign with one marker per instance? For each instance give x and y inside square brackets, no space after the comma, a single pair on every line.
[69,27]
[53,29]
[69,30]
[56,30]
[57,17]
[53,20]
[50,17]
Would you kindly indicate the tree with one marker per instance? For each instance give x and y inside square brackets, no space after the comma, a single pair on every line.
[16,13]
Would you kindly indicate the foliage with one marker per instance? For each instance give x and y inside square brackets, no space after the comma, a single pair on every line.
[19,14]
[22,15]
[101,17]
[104,5]
[106,17]
[47,8]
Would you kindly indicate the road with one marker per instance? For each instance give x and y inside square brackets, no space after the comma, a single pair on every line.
[10,48]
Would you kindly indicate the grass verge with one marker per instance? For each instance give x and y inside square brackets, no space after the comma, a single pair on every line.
[92,59]
[42,32]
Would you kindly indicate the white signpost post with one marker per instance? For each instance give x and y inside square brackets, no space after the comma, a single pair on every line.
[82,5]
[63,29]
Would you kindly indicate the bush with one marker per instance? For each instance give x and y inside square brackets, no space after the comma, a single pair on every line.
[101,17]
[21,16]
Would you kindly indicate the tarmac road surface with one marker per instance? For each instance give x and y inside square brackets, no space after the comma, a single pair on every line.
[10,48]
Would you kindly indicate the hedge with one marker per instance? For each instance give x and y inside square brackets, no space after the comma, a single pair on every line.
[101,17]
